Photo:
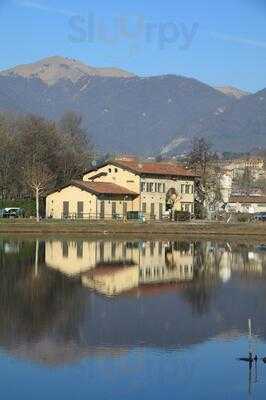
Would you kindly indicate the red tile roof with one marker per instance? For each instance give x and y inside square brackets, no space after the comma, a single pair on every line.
[248,199]
[150,168]
[99,175]
[155,168]
[102,188]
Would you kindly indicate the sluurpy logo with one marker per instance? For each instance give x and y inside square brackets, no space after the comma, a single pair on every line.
[135,30]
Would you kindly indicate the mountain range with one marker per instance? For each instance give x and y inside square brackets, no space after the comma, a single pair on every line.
[126,113]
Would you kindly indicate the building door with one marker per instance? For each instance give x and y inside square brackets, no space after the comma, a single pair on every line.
[80,209]
[161,211]
[102,210]
[113,209]
[125,210]
[152,211]
[65,209]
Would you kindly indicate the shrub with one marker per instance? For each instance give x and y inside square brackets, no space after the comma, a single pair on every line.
[181,216]
[243,217]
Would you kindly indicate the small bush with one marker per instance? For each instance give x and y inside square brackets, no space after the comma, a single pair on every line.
[181,216]
[243,217]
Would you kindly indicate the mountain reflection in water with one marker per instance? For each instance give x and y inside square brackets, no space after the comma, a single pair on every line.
[65,300]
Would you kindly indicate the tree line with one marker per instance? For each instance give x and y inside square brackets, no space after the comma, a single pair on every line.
[37,154]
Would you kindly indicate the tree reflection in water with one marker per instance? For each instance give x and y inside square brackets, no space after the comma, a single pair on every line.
[37,302]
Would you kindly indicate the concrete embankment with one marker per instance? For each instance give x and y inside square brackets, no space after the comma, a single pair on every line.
[198,228]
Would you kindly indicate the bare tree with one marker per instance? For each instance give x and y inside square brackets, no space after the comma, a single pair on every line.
[30,143]
[245,182]
[77,152]
[204,162]
[38,178]
[7,157]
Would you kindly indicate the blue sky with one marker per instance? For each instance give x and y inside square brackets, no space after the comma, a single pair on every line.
[218,42]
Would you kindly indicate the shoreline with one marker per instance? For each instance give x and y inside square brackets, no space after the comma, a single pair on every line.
[200,229]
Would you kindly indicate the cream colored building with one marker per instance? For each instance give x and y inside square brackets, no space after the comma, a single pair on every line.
[152,181]
[123,185]
[86,199]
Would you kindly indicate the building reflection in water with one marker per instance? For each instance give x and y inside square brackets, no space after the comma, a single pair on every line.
[62,311]
[112,268]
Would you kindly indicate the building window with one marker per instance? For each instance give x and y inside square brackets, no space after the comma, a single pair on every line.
[152,211]
[156,187]
[102,209]
[185,207]
[160,211]
[113,209]
[65,209]
[143,187]
[192,189]
[144,208]
[151,187]
[116,170]
[110,170]
[164,188]
[187,189]
[159,187]
[125,209]
[80,209]
[182,189]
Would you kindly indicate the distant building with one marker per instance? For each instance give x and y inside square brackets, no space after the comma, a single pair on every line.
[122,185]
[237,167]
[247,204]
[226,182]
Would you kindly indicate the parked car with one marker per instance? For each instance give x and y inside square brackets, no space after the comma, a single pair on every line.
[13,212]
[260,216]
[135,215]
[261,247]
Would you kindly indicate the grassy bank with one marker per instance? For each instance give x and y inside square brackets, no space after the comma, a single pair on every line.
[198,228]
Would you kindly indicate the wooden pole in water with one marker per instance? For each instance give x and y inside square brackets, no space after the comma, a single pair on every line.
[250,336]
[250,357]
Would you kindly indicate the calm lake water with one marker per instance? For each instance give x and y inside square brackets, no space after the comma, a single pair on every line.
[83,319]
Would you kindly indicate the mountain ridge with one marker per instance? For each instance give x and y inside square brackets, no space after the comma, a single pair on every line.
[142,115]
[232,91]
[51,69]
